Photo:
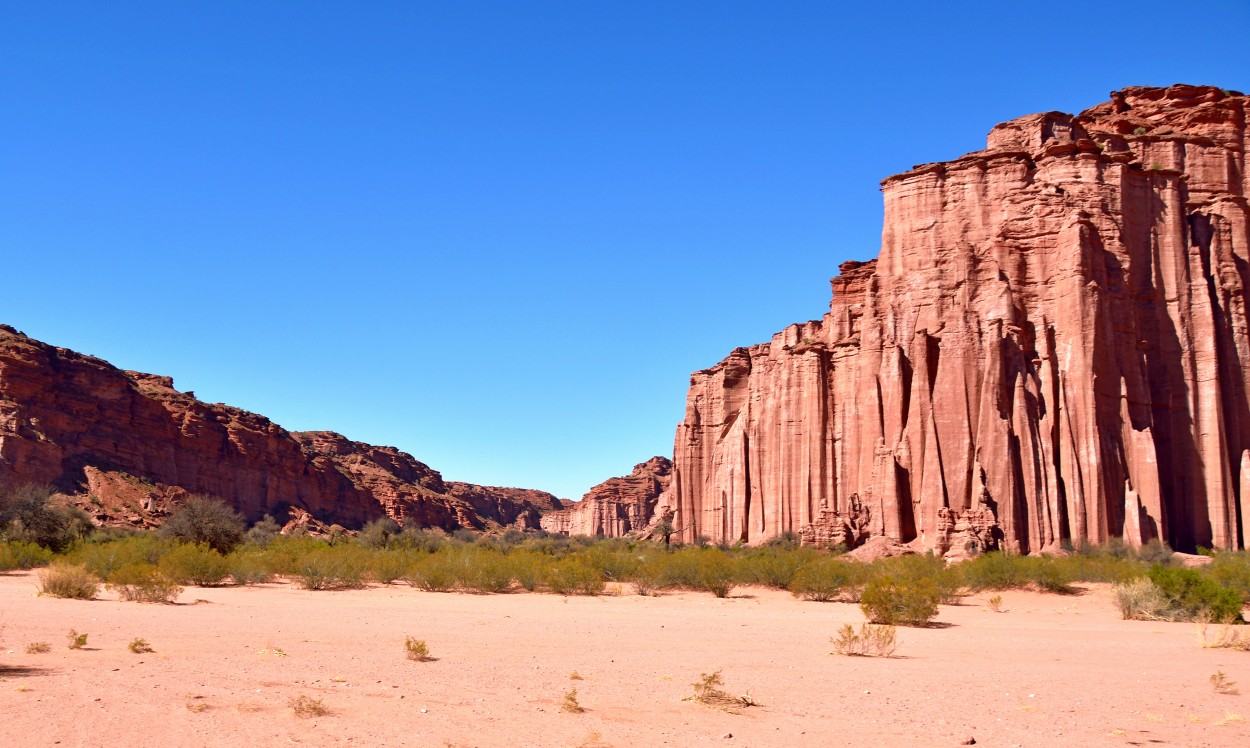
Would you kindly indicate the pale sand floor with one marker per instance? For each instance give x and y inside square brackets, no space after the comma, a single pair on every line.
[1048,671]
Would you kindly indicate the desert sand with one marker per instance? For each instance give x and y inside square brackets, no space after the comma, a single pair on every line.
[1047,670]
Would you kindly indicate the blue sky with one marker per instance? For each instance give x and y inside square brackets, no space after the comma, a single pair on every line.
[500,235]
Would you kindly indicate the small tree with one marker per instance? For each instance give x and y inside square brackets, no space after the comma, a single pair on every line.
[203,519]
[29,512]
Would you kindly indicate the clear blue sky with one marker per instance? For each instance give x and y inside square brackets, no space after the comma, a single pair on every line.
[500,235]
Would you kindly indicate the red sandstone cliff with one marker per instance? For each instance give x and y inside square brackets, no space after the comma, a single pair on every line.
[134,445]
[1051,347]
[616,507]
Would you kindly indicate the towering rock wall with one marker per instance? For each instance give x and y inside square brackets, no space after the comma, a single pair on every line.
[1051,347]
[136,446]
[616,507]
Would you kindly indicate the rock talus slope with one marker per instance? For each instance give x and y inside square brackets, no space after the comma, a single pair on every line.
[618,506]
[1051,348]
[136,446]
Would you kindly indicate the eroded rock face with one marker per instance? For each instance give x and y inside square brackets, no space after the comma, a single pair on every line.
[618,506]
[133,447]
[1051,347]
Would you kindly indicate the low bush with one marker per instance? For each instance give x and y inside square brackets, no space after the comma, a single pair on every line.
[829,579]
[1191,595]
[144,583]
[19,554]
[1232,570]
[139,646]
[195,563]
[387,566]
[479,569]
[527,568]
[68,580]
[1000,571]
[416,649]
[338,567]
[248,567]
[905,600]
[104,558]
[775,564]
[571,576]
[717,572]
[433,573]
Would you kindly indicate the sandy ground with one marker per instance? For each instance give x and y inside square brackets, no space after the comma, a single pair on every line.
[1047,671]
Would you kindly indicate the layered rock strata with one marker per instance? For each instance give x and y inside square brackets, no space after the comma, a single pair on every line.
[132,447]
[617,507]
[1051,348]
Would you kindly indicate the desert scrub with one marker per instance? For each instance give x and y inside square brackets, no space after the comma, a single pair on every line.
[139,646]
[900,600]
[76,640]
[19,554]
[249,567]
[827,579]
[105,557]
[480,569]
[63,579]
[717,572]
[1232,570]
[204,519]
[143,583]
[1192,596]
[1001,571]
[871,640]
[339,567]
[416,649]
[432,573]
[38,648]
[388,566]
[571,576]
[195,563]
[707,690]
[775,564]
[527,568]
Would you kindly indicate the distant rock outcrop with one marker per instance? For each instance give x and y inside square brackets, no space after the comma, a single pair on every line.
[1051,348]
[132,447]
[618,506]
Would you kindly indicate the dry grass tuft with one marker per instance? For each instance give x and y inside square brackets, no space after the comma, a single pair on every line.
[995,603]
[1231,718]
[1222,685]
[76,640]
[570,704]
[575,676]
[872,640]
[306,706]
[1227,637]
[139,646]
[707,690]
[38,648]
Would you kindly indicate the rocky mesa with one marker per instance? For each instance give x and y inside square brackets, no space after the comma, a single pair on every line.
[131,446]
[617,507]
[1051,348]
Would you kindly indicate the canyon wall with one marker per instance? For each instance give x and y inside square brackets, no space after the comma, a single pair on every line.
[131,446]
[618,506]
[1051,348]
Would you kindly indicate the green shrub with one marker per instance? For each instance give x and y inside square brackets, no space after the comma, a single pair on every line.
[63,579]
[1232,571]
[433,573]
[828,579]
[203,519]
[528,568]
[571,576]
[102,559]
[264,532]
[248,567]
[387,566]
[338,567]
[718,573]
[901,600]
[143,583]
[1192,595]
[195,564]
[774,565]
[480,570]
[19,554]
[1000,571]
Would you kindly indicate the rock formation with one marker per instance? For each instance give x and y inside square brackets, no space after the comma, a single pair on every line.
[132,446]
[1051,348]
[616,507]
